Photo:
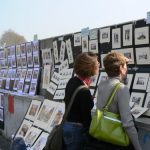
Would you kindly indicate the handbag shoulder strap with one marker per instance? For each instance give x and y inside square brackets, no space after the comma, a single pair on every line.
[71,101]
[110,98]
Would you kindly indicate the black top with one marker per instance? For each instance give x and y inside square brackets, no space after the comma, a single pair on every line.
[83,103]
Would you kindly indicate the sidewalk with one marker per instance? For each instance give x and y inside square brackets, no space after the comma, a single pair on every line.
[4,143]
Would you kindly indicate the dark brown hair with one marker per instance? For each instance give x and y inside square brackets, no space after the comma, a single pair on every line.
[85,64]
[112,62]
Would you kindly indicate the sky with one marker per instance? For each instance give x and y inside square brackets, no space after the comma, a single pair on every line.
[50,18]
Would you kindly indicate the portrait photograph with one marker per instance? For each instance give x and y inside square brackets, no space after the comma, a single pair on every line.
[23,129]
[32,135]
[77,39]
[142,55]
[85,44]
[45,113]
[93,46]
[104,35]
[136,99]
[127,34]
[137,111]
[51,88]
[33,110]
[93,34]
[141,35]
[116,38]
[140,81]
[40,142]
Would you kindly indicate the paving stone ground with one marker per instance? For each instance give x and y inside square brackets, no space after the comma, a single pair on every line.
[4,143]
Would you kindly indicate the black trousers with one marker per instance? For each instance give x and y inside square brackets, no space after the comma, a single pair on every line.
[94,144]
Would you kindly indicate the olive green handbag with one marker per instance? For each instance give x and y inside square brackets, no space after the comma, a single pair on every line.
[106,126]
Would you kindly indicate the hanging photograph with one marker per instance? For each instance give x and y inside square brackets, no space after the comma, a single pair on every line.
[35,74]
[93,34]
[51,88]
[23,62]
[29,48]
[105,35]
[66,73]
[59,94]
[13,50]
[45,114]
[62,83]
[85,44]
[26,87]
[19,63]
[136,99]
[33,110]
[55,77]
[30,60]
[46,76]
[62,51]
[23,74]
[128,80]
[102,57]
[20,86]
[77,39]
[93,46]
[32,135]
[16,83]
[140,81]
[23,49]
[18,50]
[69,51]
[25,126]
[7,84]
[46,56]
[141,35]
[143,55]
[36,60]
[29,75]
[40,142]
[63,65]
[2,114]
[127,35]
[116,38]
[57,117]
[35,47]
[55,51]
[138,111]
[33,87]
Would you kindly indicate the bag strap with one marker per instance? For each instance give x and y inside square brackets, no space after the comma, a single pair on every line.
[71,102]
[110,99]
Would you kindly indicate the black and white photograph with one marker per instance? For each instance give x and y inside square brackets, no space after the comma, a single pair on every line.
[23,62]
[23,74]
[85,44]
[102,63]
[69,51]
[19,64]
[140,81]
[137,111]
[35,47]
[128,80]
[46,56]
[66,73]
[63,65]
[29,48]
[62,83]
[136,99]
[127,34]
[33,88]
[93,34]
[30,60]
[20,86]
[25,126]
[36,60]
[59,94]
[93,46]
[147,104]
[56,77]
[55,51]
[32,135]
[77,39]
[143,55]
[29,75]
[33,110]
[23,49]
[45,113]
[141,35]
[16,83]
[2,100]
[51,88]
[7,83]
[40,142]
[104,35]
[116,38]
[62,51]
[18,50]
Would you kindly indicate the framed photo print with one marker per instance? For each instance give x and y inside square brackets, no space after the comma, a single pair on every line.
[127,34]
[2,100]
[93,34]
[29,75]
[23,74]
[143,55]
[23,49]
[36,60]
[128,80]
[136,99]
[13,50]
[26,87]
[69,51]
[40,142]
[77,39]
[33,110]
[33,88]
[32,135]
[23,62]
[51,88]
[7,84]
[105,35]
[66,73]
[63,65]
[59,94]
[116,38]
[46,56]
[138,111]
[29,48]
[14,62]
[56,77]
[20,86]
[18,50]
[62,83]
[55,51]
[25,126]
[85,44]
[140,81]
[35,74]
[19,63]
[94,80]
[16,83]
[30,60]
[35,47]
[45,114]
[141,35]
[93,46]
